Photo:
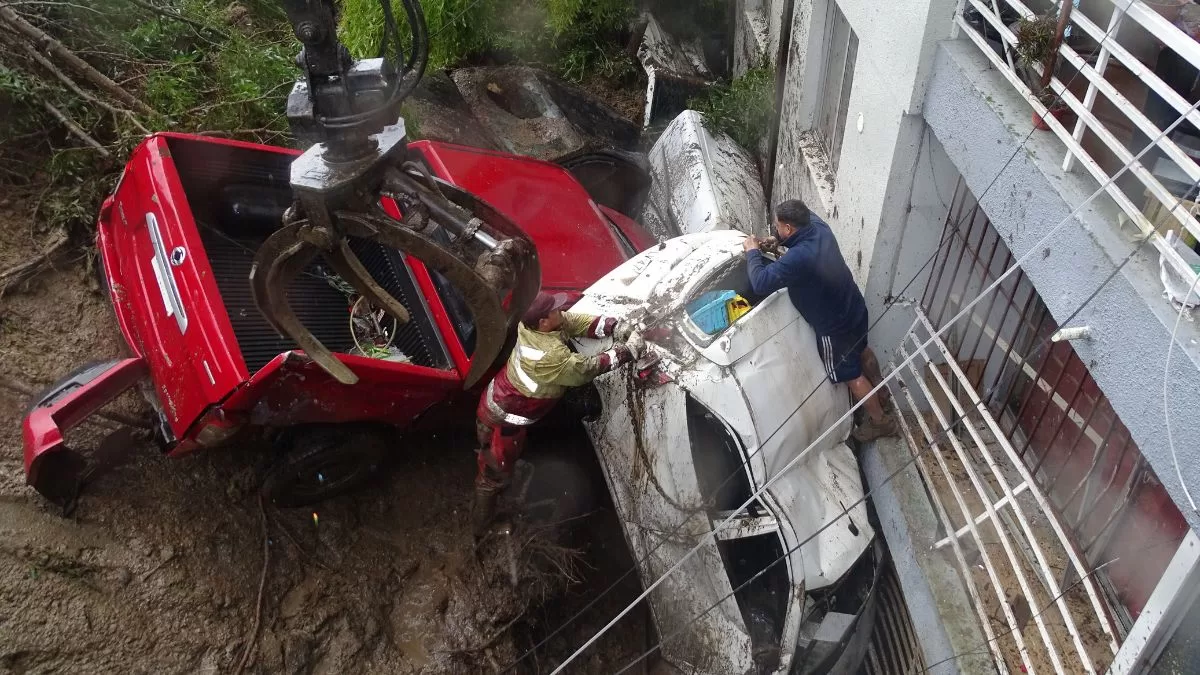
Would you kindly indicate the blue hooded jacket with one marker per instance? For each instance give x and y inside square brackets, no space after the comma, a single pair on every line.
[818,281]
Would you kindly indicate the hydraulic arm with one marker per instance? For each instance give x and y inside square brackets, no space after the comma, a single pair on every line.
[349,110]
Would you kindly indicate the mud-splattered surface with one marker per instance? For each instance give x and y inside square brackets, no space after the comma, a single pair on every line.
[159,569]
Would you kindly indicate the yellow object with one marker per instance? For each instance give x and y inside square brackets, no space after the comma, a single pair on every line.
[735,307]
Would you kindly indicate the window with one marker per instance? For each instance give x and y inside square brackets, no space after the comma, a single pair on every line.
[837,79]
[710,298]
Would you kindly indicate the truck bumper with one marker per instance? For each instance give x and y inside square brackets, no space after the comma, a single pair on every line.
[65,404]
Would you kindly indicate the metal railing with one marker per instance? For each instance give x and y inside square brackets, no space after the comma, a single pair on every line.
[1009,543]
[1162,209]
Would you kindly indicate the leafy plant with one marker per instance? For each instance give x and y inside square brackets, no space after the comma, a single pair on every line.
[1035,38]
[742,108]
[458,29]
[576,37]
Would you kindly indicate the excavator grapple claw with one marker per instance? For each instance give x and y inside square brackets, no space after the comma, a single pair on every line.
[350,111]
[487,259]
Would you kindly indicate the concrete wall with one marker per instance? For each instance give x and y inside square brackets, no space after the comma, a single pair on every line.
[981,123]
[870,190]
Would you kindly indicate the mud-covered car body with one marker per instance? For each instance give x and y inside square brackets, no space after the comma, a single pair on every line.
[177,239]
[733,404]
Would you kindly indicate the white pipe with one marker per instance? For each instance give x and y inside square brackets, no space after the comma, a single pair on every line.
[1074,333]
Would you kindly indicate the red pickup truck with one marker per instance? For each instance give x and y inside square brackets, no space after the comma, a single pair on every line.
[177,239]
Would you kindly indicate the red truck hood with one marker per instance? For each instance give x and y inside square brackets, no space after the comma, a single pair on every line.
[576,242]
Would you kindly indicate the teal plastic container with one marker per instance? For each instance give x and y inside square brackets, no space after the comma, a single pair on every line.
[709,311]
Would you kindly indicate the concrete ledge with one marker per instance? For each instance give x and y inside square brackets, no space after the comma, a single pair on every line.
[947,626]
[981,122]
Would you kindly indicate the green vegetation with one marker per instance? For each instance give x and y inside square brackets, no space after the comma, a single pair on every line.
[225,68]
[573,37]
[195,65]
[743,108]
[1035,36]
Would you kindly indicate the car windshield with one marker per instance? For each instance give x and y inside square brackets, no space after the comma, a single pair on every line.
[718,302]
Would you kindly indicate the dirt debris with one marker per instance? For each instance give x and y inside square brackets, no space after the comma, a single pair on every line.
[159,569]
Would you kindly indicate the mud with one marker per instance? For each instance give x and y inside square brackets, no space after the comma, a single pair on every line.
[159,569]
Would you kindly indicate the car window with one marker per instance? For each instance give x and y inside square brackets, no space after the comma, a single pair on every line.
[719,302]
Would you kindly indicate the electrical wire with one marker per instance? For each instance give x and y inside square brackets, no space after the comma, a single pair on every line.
[915,453]
[803,454]
[1166,390]
[895,298]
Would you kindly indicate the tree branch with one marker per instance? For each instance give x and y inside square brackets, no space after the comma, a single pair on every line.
[199,25]
[54,70]
[44,41]
[75,128]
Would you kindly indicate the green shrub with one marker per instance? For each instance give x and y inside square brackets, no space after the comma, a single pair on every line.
[458,29]
[574,37]
[743,108]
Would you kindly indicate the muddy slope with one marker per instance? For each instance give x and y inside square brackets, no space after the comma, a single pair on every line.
[159,570]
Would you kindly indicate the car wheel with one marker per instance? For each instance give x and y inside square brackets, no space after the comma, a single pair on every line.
[323,463]
[617,179]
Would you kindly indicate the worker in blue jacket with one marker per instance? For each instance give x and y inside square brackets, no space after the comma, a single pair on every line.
[821,287]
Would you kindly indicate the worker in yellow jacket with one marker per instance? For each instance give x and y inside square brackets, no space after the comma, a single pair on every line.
[539,372]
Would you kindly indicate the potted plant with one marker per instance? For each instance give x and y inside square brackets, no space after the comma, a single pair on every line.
[1054,106]
[1038,39]
[1035,38]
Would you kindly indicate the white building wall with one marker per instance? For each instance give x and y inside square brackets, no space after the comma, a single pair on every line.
[896,43]
[756,33]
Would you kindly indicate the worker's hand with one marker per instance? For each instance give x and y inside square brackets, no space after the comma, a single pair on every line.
[636,344]
[751,244]
[623,331]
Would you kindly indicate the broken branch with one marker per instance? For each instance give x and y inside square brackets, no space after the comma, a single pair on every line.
[75,128]
[54,70]
[55,48]
[22,271]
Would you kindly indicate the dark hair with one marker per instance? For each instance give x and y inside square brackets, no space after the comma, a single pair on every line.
[793,212]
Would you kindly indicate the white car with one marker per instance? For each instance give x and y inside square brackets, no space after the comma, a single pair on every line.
[713,406]
[702,182]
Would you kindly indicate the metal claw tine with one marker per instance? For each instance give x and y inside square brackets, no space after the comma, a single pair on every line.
[491,321]
[277,263]
[350,268]
[269,254]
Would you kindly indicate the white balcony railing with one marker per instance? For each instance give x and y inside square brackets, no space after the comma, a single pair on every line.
[1151,206]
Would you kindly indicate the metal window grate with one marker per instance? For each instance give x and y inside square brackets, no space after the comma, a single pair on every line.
[1040,485]
[1055,414]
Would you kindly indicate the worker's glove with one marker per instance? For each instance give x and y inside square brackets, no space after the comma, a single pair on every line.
[623,331]
[636,344]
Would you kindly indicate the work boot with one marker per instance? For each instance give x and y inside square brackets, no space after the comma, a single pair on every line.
[483,509]
[874,429]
